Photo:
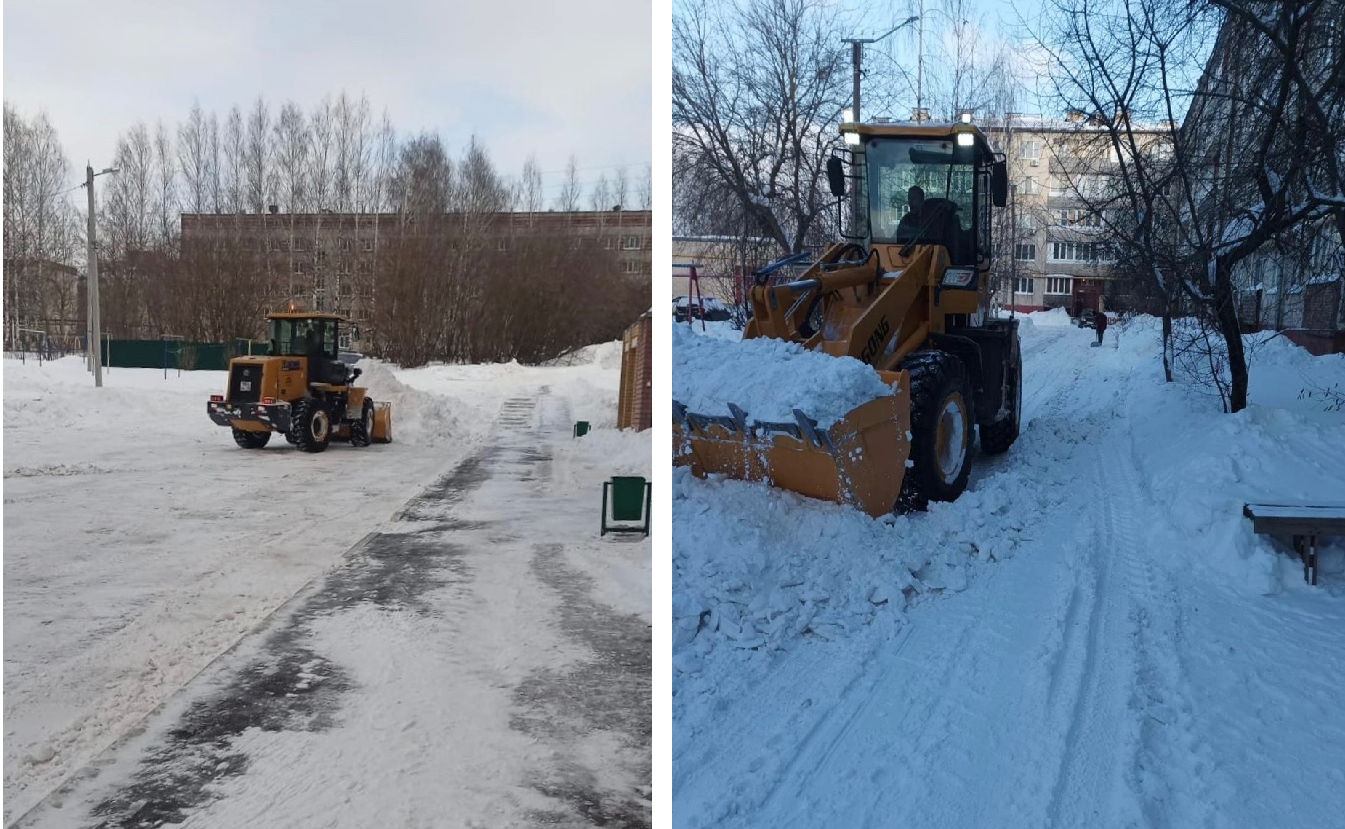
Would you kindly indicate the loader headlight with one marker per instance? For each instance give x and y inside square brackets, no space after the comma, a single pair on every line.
[958,277]
[965,139]
[852,139]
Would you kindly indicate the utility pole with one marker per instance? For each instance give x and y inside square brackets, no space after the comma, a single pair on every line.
[95,333]
[920,63]
[857,58]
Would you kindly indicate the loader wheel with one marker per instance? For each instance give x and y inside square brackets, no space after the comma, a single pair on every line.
[361,429]
[941,430]
[996,438]
[251,440]
[310,425]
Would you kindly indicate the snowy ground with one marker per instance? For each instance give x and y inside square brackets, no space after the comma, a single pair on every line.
[1090,636]
[141,545]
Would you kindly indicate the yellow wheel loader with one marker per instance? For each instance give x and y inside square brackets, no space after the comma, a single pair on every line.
[908,293]
[301,390]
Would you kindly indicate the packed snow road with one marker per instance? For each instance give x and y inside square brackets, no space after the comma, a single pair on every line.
[117,616]
[1089,637]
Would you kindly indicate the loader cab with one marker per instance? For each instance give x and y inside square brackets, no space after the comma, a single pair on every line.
[924,184]
[315,337]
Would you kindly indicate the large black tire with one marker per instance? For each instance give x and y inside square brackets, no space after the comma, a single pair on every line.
[362,429]
[251,440]
[310,425]
[941,430]
[996,438]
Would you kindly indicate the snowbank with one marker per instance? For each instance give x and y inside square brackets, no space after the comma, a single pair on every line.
[768,378]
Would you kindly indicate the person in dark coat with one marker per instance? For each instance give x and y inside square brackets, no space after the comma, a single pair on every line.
[1100,323]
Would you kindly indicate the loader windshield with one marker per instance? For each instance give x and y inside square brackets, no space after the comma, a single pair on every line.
[299,337]
[922,190]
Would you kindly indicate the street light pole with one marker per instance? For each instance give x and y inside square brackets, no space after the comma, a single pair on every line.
[857,57]
[95,333]
[920,64]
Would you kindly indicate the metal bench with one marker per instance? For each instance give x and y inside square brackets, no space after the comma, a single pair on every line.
[1304,523]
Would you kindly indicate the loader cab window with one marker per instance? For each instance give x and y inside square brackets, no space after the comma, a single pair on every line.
[298,337]
[923,190]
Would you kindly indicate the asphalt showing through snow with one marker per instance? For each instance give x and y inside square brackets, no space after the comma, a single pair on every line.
[287,685]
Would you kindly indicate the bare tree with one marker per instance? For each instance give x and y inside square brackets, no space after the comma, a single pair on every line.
[1243,171]
[40,225]
[757,124]
[233,172]
[570,190]
[195,160]
[620,187]
[600,197]
[645,193]
[258,156]
[166,206]
[531,196]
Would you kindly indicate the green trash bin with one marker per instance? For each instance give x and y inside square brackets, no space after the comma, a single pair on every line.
[580,428]
[630,498]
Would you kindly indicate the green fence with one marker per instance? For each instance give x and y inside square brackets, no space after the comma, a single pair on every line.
[177,354]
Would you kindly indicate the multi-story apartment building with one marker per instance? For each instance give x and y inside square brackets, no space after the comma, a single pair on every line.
[332,261]
[1295,283]
[1050,244]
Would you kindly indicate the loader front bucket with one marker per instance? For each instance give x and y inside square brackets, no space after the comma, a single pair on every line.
[860,460]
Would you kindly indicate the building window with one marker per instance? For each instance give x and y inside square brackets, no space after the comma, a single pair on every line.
[1025,252]
[346,243]
[502,244]
[1079,218]
[367,244]
[630,266]
[301,244]
[1078,252]
[1027,221]
[608,243]
[1058,284]
[298,267]
[1029,186]
[1031,150]
[630,243]
[1022,285]
[365,267]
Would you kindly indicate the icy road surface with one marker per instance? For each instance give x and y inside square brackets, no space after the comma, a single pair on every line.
[1091,637]
[417,677]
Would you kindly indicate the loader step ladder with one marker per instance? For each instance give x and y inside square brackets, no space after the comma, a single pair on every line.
[1303,523]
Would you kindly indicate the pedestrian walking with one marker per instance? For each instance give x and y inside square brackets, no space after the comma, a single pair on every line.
[1100,324]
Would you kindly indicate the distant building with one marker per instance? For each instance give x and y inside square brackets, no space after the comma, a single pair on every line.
[724,264]
[330,261]
[1050,252]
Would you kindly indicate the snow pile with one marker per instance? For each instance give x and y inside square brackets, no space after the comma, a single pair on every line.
[419,418]
[768,378]
[604,355]
[1055,317]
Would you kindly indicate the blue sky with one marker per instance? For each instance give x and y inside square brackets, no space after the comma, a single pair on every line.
[550,79]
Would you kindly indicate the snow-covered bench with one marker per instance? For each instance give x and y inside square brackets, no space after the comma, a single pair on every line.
[1305,523]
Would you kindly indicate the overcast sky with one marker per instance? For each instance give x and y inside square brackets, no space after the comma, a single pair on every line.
[533,77]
